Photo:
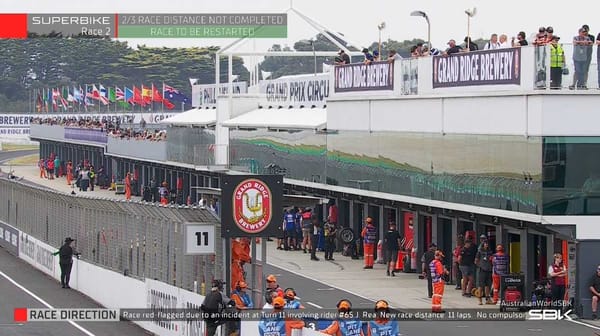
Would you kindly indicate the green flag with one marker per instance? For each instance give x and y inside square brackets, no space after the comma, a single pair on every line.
[112,95]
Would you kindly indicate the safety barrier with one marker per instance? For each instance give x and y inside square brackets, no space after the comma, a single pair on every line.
[138,239]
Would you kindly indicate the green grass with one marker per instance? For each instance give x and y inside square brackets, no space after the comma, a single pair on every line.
[6,147]
[27,160]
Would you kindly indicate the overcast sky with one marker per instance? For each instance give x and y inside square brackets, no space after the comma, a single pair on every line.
[358,20]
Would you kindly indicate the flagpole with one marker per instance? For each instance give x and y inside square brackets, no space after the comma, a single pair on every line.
[162,102]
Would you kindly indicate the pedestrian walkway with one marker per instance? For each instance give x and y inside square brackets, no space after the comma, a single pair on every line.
[405,290]
[32,174]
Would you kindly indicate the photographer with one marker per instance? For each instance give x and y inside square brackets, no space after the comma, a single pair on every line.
[214,304]
[66,254]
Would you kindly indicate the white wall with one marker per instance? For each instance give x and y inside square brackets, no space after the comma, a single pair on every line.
[528,114]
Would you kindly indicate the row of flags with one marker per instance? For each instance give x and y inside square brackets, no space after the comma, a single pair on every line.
[78,97]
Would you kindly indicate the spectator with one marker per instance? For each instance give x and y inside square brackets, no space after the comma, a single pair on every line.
[466,261]
[549,34]
[589,50]
[595,289]
[520,40]
[581,43]
[342,58]
[453,48]
[469,45]
[557,63]
[540,37]
[504,41]
[393,55]
[368,56]
[492,43]
[414,52]
[375,56]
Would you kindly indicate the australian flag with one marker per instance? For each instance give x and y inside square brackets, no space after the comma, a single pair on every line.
[173,94]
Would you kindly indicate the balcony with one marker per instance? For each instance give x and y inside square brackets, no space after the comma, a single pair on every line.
[88,136]
[509,69]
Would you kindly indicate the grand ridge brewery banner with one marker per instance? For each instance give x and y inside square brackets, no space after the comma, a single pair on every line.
[364,77]
[487,67]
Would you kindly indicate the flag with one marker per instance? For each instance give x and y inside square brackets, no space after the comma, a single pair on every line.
[55,95]
[39,103]
[193,81]
[174,95]
[137,97]
[156,96]
[168,104]
[146,94]
[78,94]
[98,96]
[112,95]
[128,95]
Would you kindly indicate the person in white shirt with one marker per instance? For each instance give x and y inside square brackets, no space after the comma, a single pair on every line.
[493,43]
[269,297]
[504,41]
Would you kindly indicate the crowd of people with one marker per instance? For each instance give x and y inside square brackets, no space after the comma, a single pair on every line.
[111,127]
[583,43]
[278,300]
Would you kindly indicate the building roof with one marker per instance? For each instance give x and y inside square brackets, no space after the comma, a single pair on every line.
[281,118]
[193,117]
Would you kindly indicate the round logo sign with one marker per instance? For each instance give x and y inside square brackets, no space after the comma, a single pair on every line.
[252,206]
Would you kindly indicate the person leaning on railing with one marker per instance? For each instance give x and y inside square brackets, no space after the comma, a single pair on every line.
[557,63]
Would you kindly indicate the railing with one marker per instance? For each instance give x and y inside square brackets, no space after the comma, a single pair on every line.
[85,134]
[133,238]
[144,149]
[521,68]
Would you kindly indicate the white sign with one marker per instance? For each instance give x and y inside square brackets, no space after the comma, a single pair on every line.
[307,90]
[205,95]
[548,315]
[199,239]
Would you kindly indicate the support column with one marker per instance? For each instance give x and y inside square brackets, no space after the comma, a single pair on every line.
[417,240]
[434,230]
[526,259]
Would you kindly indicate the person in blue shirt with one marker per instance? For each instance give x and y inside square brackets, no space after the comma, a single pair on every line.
[289,224]
[342,326]
[242,299]
[272,325]
[290,299]
[368,56]
[382,325]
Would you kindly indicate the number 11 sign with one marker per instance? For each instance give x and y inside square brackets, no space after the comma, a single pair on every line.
[199,239]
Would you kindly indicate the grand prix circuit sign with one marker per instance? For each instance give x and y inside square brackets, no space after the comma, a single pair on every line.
[251,205]
[488,67]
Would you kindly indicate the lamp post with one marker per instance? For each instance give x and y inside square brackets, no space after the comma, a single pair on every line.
[424,15]
[312,44]
[470,13]
[381,27]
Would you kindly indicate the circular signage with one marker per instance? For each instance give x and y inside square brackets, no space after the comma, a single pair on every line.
[252,206]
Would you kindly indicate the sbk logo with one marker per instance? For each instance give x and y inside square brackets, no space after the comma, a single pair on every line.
[549,315]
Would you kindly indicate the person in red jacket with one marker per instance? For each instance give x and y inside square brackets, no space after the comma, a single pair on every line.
[273,286]
[369,236]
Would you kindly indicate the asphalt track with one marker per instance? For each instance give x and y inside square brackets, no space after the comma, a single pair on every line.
[49,290]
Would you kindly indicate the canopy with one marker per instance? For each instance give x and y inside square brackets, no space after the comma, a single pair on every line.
[193,117]
[281,118]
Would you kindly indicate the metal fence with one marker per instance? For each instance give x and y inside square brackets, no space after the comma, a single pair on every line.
[139,239]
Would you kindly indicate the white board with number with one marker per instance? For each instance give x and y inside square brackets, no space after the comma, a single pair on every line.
[199,239]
